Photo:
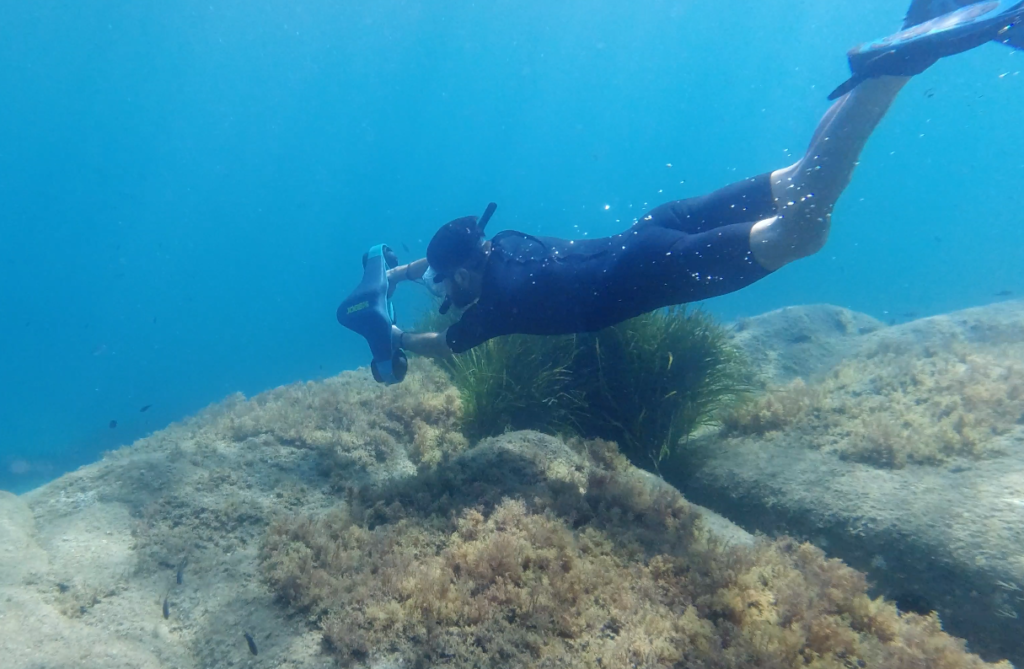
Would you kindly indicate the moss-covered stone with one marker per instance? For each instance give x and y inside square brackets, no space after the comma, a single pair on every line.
[895,405]
[588,568]
[354,425]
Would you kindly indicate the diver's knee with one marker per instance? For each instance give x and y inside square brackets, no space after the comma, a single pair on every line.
[809,237]
[776,242]
[815,236]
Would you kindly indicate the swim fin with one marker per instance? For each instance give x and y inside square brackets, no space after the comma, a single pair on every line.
[915,49]
[926,10]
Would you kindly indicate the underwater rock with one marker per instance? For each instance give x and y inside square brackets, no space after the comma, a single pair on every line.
[362,507]
[798,342]
[20,555]
[900,451]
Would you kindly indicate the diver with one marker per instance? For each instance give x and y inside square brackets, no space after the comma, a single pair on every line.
[697,248]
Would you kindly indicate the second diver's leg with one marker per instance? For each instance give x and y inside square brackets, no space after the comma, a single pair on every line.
[806,192]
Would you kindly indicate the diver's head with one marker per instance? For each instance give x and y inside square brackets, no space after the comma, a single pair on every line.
[458,255]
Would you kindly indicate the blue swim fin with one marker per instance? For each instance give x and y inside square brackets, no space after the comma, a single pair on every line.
[916,48]
[368,311]
[926,10]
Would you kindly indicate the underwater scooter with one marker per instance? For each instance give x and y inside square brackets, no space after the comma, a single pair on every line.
[368,310]
[915,49]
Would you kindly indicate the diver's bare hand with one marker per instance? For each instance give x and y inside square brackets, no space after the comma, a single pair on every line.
[396,337]
[414,271]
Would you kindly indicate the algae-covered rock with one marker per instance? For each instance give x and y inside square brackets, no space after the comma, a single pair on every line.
[362,508]
[801,341]
[568,559]
[890,406]
[900,450]
[20,555]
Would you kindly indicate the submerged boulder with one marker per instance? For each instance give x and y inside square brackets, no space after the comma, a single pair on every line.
[363,510]
[898,449]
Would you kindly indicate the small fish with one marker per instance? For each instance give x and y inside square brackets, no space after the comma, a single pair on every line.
[1004,293]
[112,424]
[167,606]
[909,314]
[180,577]
[930,93]
[252,644]
[406,247]
[145,408]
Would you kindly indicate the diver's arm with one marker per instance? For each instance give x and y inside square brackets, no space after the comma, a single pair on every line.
[429,344]
[414,271]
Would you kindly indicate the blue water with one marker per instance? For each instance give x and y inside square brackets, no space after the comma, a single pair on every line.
[186,188]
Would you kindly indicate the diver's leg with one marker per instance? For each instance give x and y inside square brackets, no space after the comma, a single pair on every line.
[744,201]
[806,191]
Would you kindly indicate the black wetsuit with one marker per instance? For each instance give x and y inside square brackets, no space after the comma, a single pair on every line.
[681,251]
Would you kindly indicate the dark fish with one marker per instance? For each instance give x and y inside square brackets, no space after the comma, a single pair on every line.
[252,644]
[930,93]
[112,424]
[909,314]
[145,408]
[1004,293]
[406,247]
[180,577]
[167,606]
